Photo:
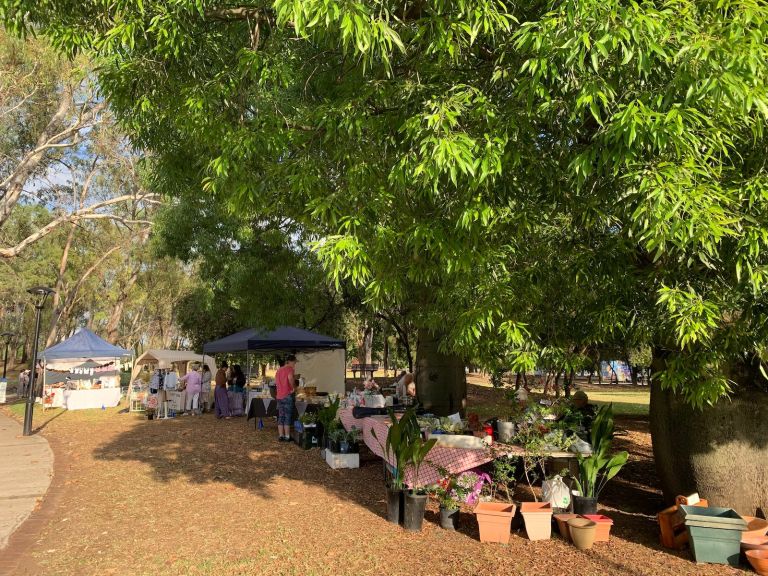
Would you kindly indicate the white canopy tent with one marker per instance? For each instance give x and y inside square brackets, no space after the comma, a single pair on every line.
[165,358]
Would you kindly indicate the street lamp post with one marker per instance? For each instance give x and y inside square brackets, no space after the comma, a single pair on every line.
[40,294]
[7,337]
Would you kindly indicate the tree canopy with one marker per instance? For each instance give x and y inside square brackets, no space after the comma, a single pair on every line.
[523,175]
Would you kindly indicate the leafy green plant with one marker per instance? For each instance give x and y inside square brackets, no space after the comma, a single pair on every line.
[503,476]
[405,446]
[337,435]
[308,418]
[326,417]
[417,453]
[353,435]
[598,468]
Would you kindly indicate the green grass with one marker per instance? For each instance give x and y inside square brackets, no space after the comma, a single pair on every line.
[632,402]
[625,402]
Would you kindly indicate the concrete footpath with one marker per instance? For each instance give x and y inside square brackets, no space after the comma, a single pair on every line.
[26,468]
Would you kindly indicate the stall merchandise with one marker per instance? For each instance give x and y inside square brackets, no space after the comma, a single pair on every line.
[453,460]
[263,407]
[82,372]
[156,358]
[320,359]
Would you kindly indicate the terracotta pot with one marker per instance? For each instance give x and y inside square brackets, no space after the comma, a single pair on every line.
[754,543]
[603,532]
[538,519]
[755,527]
[582,532]
[759,561]
[562,525]
[495,521]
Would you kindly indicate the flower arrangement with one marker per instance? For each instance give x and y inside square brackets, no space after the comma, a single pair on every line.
[152,402]
[370,387]
[453,490]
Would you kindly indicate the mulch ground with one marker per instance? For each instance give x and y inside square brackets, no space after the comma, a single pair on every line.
[196,495]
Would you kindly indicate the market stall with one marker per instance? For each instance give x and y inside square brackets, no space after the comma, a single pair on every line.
[82,372]
[179,360]
[320,361]
[452,458]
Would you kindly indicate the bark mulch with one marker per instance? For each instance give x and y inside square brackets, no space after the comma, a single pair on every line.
[201,496]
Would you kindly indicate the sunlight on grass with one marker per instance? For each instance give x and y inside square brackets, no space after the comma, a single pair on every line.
[629,403]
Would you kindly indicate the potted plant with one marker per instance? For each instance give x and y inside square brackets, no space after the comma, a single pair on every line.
[396,447]
[348,441]
[336,436]
[599,467]
[453,490]
[326,420]
[416,498]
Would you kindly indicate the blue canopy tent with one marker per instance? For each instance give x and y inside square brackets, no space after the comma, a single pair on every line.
[84,345]
[281,339]
[64,363]
[322,358]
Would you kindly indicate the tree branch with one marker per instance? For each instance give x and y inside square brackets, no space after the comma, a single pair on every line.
[88,213]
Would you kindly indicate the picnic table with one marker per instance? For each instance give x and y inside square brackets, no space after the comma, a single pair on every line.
[363,369]
[454,460]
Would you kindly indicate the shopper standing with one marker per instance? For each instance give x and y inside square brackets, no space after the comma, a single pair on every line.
[286,387]
[220,393]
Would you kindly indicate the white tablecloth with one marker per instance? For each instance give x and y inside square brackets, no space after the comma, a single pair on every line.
[81,399]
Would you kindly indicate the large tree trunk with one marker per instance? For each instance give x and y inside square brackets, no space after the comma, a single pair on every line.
[721,452]
[441,384]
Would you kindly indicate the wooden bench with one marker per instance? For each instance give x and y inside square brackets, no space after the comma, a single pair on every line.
[363,369]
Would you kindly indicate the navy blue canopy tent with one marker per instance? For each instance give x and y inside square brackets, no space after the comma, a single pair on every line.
[86,345]
[281,339]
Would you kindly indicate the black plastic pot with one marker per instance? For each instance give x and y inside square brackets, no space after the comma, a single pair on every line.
[395,505]
[449,518]
[150,416]
[583,505]
[415,505]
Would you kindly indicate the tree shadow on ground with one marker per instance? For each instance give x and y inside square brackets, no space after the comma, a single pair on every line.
[205,450]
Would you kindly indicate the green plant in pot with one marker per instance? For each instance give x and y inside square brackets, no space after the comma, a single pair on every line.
[335,438]
[349,443]
[397,447]
[598,468]
[416,498]
[326,420]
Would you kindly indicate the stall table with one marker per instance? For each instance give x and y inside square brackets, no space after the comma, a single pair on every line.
[454,460]
[259,407]
[83,399]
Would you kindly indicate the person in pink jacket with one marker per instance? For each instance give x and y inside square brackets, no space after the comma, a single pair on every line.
[194,382]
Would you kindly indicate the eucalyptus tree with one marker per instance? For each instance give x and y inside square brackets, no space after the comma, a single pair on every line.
[521,175]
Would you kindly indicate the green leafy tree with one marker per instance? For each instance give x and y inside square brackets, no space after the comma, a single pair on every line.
[527,176]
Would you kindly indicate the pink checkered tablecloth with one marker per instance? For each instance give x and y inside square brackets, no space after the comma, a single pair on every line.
[454,460]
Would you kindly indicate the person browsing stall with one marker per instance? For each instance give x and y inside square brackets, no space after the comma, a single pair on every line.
[194,383]
[220,398]
[286,386]
[206,388]
[401,388]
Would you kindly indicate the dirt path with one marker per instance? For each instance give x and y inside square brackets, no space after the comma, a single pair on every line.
[199,496]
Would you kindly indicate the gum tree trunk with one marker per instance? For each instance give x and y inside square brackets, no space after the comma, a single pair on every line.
[721,452]
[441,384]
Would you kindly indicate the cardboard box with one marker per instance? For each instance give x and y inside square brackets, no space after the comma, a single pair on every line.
[335,460]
